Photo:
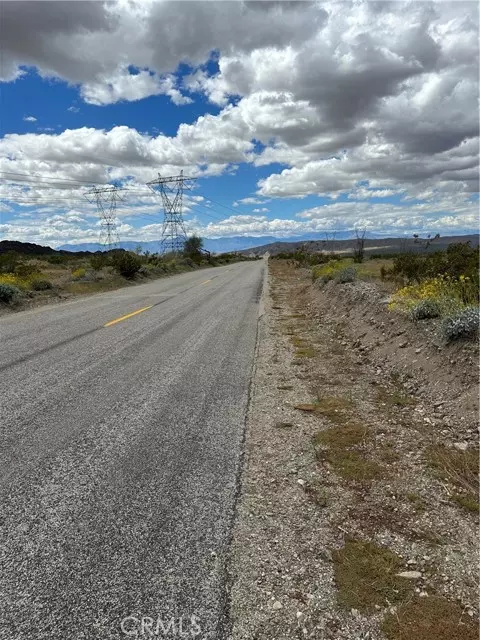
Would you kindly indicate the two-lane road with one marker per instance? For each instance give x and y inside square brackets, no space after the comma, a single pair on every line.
[122,421]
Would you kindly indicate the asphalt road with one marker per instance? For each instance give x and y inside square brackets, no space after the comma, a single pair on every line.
[119,455]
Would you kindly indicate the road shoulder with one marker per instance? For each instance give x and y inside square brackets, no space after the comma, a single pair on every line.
[314,510]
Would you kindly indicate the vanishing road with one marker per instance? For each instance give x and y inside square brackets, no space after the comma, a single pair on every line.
[122,427]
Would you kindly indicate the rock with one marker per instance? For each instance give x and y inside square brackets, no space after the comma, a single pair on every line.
[277,605]
[461,446]
[301,482]
[411,575]
[403,344]
[419,350]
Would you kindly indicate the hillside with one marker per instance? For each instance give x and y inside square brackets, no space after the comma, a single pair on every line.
[372,245]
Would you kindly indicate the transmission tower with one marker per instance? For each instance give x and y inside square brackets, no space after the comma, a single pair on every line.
[106,200]
[171,189]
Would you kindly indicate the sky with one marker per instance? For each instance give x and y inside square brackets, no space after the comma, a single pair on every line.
[293,118]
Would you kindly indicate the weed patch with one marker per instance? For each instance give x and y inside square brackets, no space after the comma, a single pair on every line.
[432,618]
[305,352]
[460,469]
[394,398]
[346,436]
[284,425]
[353,465]
[317,494]
[366,576]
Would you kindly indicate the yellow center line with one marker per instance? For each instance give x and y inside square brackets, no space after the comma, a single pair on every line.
[205,282]
[129,315]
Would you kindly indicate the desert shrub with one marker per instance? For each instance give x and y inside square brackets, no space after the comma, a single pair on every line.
[41,284]
[193,248]
[126,264]
[9,261]
[98,261]
[188,262]
[329,271]
[450,294]
[410,266]
[8,292]
[26,269]
[348,274]
[57,259]
[79,273]
[14,280]
[459,259]
[461,325]
[425,310]
[144,271]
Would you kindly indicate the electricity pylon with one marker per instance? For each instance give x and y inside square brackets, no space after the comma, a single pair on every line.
[171,189]
[106,200]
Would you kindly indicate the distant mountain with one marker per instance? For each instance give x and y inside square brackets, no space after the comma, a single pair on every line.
[27,248]
[343,243]
[31,249]
[215,245]
[372,245]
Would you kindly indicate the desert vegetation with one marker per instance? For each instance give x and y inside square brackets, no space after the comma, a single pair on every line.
[30,276]
[441,285]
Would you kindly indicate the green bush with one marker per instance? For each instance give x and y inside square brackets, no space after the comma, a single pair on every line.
[348,274]
[461,325]
[79,273]
[57,259]
[127,264]
[9,261]
[193,247]
[8,292]
[460,259]
[41,284]
[425,310]
[98,261]
[144,271]
[26,269]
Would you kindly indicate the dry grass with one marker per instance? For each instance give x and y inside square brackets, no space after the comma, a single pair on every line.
[284,425]
[350,463]
[393,398]
[345,436]
[366,576]
[354,466]
[305,352]
[432,618]
[460,470]
[417,501]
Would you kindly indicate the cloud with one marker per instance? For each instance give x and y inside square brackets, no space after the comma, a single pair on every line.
[124,85]
[249,200]
[367,99]
[30,119]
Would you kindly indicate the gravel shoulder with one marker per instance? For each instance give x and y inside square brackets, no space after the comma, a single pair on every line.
[353,476]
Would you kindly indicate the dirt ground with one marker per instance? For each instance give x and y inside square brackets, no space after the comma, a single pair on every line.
[359,506]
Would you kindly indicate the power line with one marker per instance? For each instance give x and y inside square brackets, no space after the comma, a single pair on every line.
[106,201]
[221,205]
[171,190]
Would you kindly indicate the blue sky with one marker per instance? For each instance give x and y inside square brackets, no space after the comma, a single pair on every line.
[295,120]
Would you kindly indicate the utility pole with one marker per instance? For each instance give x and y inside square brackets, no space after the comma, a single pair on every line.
[106,200]
[171,189]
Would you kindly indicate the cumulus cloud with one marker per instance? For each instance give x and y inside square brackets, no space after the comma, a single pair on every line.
[365,99]
[30,119]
